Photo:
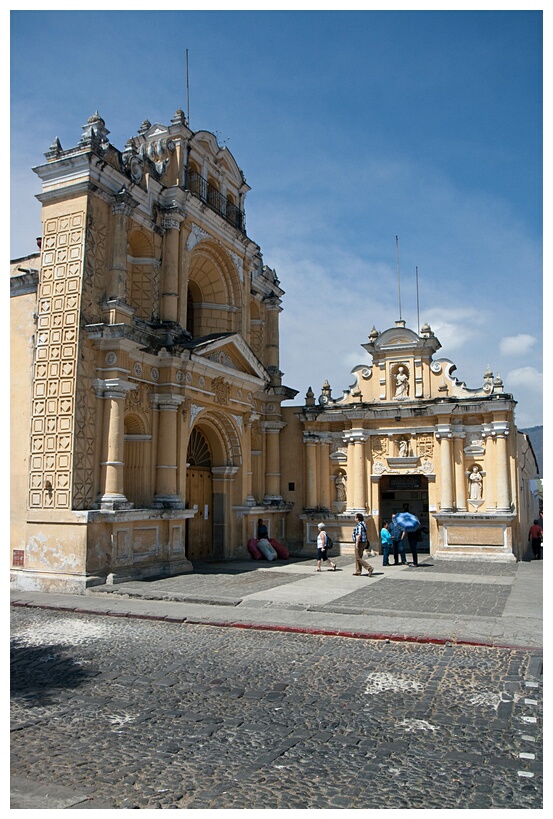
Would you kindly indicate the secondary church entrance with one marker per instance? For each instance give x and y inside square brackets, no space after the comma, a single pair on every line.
[406,493]
[199,490]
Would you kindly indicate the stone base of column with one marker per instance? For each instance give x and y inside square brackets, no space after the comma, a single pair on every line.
[272,499]
[250,501]
[167,502]
[113,502]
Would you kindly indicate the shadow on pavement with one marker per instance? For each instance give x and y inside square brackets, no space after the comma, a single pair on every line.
[37,670]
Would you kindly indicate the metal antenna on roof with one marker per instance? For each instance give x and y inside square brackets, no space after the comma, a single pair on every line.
[398,278]
[418,315]
[187,92]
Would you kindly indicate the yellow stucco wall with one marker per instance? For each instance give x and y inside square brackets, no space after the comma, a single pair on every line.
[21,364]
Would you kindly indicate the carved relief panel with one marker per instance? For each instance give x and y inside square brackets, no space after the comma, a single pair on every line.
[55,370]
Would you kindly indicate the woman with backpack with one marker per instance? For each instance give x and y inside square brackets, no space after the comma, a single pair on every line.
[322,539]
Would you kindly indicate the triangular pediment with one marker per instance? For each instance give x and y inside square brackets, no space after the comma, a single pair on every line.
[155,130]
[230,352]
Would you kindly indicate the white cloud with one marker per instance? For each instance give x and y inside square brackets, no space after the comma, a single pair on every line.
[456,327]
[526,384]
[517,345]
[525,378]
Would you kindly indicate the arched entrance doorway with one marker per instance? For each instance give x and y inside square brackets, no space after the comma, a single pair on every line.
[199,491]
[406,493]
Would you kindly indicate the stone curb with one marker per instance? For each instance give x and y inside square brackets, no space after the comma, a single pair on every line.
[327,632]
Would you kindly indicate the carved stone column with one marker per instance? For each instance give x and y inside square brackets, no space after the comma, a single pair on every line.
[113,392]
[503,483]
[357,490]
[324,472]
[170,272]
[116,285]
[459,470]
[311,443]
[249,420]
[273,306]
[489,489]
[166,493]
[444,434]
[184,271]
[272,463]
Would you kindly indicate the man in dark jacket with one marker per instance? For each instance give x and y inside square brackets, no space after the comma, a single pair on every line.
[397,534]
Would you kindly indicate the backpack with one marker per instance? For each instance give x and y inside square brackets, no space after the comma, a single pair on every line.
[329,541]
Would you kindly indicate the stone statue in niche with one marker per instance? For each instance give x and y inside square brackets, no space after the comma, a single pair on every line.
[340,483]
[402,383]
[403,448]
[475,484]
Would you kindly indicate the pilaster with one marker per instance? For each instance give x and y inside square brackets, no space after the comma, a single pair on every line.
[272,466]
[166,494]
[459,470]
[170,270]
[311,442]
[445,435]
[113,391]
[357,486]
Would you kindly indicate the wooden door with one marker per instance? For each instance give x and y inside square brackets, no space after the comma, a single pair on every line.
[199,528]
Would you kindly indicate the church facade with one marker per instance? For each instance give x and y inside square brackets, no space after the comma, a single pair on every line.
[146,417]
[148,428]
[409,436]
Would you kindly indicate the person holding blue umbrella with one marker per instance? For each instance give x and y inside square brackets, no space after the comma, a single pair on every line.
[397,534]
[411,527]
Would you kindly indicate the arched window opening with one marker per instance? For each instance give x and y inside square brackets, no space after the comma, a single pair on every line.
[199,453]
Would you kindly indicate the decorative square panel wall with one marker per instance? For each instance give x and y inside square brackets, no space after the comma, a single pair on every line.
[84,441]
[55,369]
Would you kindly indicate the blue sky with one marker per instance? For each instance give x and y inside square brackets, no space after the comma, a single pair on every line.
[352,128]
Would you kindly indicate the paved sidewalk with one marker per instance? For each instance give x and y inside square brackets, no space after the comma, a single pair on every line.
[473,602]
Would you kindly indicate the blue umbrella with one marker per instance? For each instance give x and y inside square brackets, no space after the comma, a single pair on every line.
[407,521]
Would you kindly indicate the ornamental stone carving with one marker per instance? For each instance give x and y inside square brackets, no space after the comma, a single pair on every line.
[221,388]
[194,410]
[401,384]
[476,483]
[340,484]
[425,446]
[403,448]
[380,445]
[196,236]
[239,265]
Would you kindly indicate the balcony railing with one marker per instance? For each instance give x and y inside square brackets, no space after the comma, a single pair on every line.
[211,196]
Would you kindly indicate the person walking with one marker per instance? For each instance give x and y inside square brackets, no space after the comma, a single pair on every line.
[414,537]
[535,535]
[321,548]
[387,543]
[398,535]
[361,541]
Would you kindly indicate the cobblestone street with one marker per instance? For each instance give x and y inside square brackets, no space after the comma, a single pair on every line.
[144,714]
